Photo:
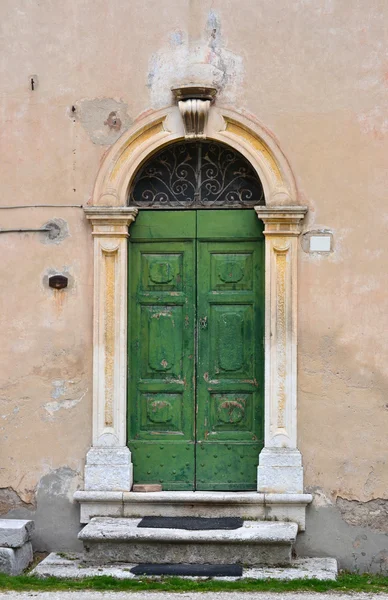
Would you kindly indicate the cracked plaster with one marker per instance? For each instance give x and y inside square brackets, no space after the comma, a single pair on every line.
[200,58]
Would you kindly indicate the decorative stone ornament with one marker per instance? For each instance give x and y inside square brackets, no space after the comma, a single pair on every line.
[194,105]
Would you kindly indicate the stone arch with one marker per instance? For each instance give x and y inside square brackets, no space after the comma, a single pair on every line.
[154,131]
[108,466]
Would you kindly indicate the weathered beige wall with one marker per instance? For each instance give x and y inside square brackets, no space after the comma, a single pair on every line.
[315,72]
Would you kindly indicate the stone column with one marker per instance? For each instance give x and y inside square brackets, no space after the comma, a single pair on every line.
[280,463]
[108,462]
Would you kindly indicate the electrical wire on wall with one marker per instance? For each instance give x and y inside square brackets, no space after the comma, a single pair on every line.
[42,206]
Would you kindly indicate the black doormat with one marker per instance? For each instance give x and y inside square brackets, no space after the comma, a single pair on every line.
[190,570]
[192,523]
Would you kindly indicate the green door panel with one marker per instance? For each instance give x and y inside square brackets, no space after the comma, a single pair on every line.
[228,467]
[228,224]
[196,363]
[168,463]
[168,225]
[230,381]
[161,362]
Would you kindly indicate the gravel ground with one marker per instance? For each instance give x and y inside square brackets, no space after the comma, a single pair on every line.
[185,596]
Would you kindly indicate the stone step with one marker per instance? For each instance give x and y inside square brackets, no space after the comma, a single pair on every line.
[72,566]
[248,505]
[108,540]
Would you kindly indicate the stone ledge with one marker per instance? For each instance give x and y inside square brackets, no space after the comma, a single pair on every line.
[72,566]
[251,505]
[233,498]
[15,532]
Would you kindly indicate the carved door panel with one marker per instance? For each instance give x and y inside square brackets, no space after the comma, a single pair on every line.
[196,349]
[162,350]
[230,354]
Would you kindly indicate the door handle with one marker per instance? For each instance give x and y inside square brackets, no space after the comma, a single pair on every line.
[203,323]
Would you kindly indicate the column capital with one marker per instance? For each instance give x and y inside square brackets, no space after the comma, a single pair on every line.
[110,221]
[281,220]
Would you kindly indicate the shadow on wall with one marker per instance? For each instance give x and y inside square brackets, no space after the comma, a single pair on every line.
[357,548]
[56,516]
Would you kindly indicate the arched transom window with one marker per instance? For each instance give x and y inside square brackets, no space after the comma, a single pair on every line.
[196,175]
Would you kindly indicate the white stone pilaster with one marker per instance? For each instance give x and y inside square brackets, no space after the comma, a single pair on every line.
[280,463]
[108,463]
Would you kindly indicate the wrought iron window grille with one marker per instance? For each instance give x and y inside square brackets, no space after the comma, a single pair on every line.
[196,175]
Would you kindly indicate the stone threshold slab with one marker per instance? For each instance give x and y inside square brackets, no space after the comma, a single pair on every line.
[192,497]
[249,505]
[71,566]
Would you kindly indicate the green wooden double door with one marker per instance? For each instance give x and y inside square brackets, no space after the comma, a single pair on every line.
[196,373]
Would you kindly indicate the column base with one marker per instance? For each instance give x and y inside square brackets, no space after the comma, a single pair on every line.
[108,469]
[280,471]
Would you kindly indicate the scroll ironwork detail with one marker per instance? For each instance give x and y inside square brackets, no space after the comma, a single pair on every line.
[196,175]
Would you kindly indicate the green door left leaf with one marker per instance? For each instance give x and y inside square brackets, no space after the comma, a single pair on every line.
[161,354]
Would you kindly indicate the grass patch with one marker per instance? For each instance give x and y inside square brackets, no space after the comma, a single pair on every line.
[345,582]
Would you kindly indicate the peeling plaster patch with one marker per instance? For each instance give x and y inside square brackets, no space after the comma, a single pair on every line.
[61,232]
[9,500]
[113,121]
[320,498]
[213,29]
[64,388]
[104,119]
[58,389]
[176,38]
[372,514]
[53,407]
[205,60]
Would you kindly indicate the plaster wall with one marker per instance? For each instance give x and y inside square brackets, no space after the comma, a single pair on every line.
[315,73]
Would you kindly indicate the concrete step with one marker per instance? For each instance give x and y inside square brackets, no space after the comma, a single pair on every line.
[108,540]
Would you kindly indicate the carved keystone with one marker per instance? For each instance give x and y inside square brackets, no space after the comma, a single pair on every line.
[194,104]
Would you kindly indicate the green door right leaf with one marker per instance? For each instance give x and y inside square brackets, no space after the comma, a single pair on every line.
[229,431]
